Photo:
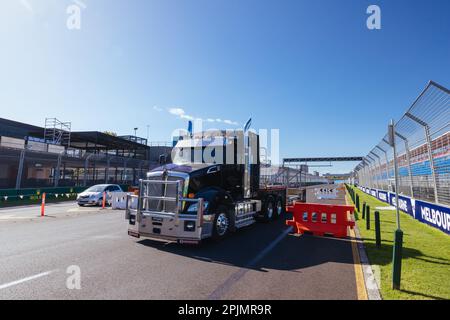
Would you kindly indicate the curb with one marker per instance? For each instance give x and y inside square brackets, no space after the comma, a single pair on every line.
[373,292]
[370,283]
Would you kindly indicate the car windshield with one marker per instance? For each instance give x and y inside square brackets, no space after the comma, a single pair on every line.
[96,189]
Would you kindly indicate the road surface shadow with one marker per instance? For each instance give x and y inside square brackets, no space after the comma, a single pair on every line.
[293,252]
[428,296]
[240,249]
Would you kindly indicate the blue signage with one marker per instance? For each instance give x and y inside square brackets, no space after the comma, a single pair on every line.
[373,193]
[429,213]
[383,196]
[433,215]
[404,203]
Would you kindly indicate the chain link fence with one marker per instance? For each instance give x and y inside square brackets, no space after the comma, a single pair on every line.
[423,152]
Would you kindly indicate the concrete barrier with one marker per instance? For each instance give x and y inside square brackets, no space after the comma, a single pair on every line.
[119,201]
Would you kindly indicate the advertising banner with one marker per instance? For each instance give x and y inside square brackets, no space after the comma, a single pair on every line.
[433,215]
[373,193]
[404,203]
[383,196]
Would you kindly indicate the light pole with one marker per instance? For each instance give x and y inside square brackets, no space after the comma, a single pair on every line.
[135,134]
[398,240]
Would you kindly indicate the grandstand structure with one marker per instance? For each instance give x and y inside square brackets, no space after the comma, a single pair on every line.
[53,156]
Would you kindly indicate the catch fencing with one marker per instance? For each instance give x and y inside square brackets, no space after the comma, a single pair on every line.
[423,151]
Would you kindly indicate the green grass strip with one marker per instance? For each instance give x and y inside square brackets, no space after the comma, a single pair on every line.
[426,254]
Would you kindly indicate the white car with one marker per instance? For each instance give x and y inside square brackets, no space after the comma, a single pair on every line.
[94,194]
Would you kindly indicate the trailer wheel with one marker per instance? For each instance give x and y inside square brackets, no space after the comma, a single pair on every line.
[279,208]
[269,209]
[221,223]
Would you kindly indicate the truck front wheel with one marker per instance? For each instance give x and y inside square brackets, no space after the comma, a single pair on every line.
[279,208]
[269,209]
[221,224]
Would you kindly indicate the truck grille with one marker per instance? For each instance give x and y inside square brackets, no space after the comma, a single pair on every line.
[161,190]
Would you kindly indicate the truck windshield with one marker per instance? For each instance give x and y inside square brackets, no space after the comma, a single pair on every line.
[96,189]
[197,155]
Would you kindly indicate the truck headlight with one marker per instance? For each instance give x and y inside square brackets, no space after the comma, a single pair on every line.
[194,207]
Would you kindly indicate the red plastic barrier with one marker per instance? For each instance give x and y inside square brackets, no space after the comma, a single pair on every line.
[321,219]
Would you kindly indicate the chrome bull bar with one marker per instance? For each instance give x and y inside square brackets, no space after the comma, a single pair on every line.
[171,224]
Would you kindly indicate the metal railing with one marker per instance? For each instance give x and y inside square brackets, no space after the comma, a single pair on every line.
[291,177]
[24,168]
[423,151]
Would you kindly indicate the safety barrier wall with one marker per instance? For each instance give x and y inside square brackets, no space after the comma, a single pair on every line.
[321,219]
[32,194]
[436,216]
[119,201]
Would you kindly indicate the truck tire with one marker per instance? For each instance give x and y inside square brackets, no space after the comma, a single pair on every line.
[221,225]
[268,209]
[279,208]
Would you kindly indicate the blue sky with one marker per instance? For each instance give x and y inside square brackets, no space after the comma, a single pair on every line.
[309,68]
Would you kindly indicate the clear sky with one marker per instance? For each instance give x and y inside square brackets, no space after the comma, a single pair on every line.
[309,68]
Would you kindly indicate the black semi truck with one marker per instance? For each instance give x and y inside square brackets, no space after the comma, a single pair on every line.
[211,188]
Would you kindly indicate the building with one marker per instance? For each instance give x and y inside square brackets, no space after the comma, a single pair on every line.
[51,156]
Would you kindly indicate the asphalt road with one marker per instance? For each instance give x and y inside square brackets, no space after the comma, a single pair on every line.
[262,261]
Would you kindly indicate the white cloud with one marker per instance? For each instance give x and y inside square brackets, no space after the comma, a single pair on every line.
[234,123]
[181,113]
[177,112]
[156,108]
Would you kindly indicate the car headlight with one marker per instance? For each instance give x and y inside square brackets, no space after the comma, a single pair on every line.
[194,207]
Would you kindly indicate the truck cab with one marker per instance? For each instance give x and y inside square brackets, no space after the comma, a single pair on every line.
[211,188]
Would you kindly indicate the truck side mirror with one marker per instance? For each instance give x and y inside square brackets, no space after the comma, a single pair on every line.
[162,159]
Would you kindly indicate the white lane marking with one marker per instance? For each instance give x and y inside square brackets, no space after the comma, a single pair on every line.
[222,289]
[105,237]
[11,216]
[36,276]
[37,206]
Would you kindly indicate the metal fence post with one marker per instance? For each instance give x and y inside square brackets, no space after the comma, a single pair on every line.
[108,162]
[387,166]
[374,183]
[408,160]
[430,151]
[57,170]
[85,171]
[367,173]
[372,172]
[140,171]
[124,176]
[86,163]
[379,168]
[287,176]
[20,169]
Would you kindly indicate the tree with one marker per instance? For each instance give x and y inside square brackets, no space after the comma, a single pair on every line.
[111,133]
